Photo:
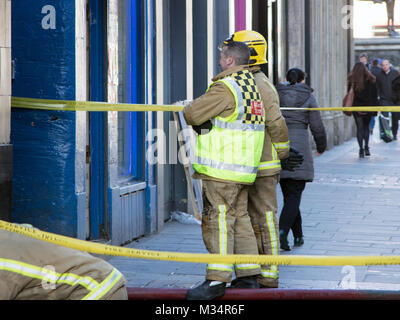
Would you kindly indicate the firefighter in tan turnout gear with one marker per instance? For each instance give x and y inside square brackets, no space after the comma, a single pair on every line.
[230,119]
[32,269]
[262,201]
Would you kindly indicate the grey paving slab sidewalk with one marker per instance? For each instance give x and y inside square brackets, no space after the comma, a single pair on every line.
[352,208]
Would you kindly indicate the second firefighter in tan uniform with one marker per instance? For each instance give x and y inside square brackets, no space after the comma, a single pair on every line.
[262,201]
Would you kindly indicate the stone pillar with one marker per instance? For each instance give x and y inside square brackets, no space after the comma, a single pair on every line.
[5,110]
[296,34]
[329,57]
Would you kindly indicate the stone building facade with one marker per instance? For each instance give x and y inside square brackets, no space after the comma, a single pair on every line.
[320,41]
[146,52]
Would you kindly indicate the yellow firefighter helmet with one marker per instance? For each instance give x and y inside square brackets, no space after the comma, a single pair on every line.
[256,42]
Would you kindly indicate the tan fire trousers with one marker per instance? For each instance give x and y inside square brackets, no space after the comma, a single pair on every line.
[262,209]
[227,228]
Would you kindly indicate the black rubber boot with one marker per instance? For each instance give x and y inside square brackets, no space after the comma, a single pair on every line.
[208,290]
[245,283]
[283,240]
[298,242]
[367,152]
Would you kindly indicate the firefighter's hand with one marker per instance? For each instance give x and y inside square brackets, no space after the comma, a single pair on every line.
[182,103]
[294,160]
[203,128]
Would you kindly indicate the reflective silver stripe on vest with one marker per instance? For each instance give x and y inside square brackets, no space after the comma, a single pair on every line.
[226,166]
[237,125]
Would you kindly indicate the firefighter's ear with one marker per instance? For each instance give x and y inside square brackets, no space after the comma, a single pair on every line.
[230,61]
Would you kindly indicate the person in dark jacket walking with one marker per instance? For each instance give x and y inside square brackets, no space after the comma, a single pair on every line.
[375,70]
[363,83]
[396,101]
[297,94]
[384,84]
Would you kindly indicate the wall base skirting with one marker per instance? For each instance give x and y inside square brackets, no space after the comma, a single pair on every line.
[5,181]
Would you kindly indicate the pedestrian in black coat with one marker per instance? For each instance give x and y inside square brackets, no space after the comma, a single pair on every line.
[384,82]
[365,94]
[297,94]
[375,68]
[396,102]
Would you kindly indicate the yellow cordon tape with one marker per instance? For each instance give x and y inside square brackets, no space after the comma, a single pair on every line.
[197,257]
[70,105]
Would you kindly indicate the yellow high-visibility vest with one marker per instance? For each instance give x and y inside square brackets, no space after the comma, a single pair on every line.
[232,149]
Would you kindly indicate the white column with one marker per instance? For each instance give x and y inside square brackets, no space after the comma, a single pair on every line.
[231,16]
[5,71]
[161,142]
[82,176]
[148,67]
[149,52]
[159,52]
[112,90]
[189,50]
[270,43]
[210,40]
[249,15]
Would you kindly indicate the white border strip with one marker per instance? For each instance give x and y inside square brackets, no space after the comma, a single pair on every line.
[249,15]
[159,52]
[210,40]
[189,50]
[231,17]
[149,51]
[81,125]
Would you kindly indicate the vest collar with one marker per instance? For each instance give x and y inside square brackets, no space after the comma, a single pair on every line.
[255,68]
[229,71]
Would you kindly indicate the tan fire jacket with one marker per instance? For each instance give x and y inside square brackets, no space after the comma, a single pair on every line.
[218,101]
[31,269]
[276,142]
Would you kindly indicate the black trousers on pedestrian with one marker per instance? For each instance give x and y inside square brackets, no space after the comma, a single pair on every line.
[362,123]
[395,123]
[290,218]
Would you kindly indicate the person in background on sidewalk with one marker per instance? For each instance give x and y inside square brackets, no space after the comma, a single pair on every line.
[263,204]
[364,59]
[297,94]
[227,157]
[384,84]
[375,70]
[396,102]
[365,94]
